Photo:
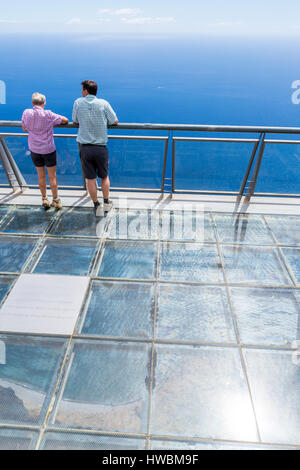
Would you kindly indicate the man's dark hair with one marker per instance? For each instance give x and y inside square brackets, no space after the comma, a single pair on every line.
[90,86]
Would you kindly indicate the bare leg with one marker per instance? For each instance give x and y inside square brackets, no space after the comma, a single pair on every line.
[92,189]
[105,185]
[53,181]
[42,180]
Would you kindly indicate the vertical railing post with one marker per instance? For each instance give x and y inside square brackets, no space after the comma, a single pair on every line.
[255,173]
[173,166]
[14,167]
[165,164]
[7,168]
[243,185]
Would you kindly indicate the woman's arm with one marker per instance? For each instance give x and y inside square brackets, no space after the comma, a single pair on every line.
[64,121]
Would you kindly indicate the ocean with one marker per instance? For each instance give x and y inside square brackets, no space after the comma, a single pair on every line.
[161,79]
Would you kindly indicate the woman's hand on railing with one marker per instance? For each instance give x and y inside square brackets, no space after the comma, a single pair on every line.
[64,121]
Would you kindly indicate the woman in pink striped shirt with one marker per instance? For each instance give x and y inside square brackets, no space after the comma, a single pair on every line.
[39,124]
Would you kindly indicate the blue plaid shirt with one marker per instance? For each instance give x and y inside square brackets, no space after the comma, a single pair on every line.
[93,116]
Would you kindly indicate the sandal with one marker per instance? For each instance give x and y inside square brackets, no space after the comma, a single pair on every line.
[46,203]
[56,203]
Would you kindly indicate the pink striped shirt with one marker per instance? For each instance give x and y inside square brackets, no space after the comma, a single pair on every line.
[39,124]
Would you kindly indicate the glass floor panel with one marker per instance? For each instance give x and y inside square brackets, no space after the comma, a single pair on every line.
[33,220]
[17,439]
[28,372]
[119,309]
[6,283]
[242,228]
[14,252]
[133,224]
[254,265]
[79,221]
[65,256]
[179,343]
[190,262]
[293,260]
[274,380]
[186,226]
[106,387]
[286,229]
[68,441]
[3,211]
[201,392]
[267,316]
[209,445]
[190,313]
[128,259]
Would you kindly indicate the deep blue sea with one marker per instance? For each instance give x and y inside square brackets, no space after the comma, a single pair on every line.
[196,80]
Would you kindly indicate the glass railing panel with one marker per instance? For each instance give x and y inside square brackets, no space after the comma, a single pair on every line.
[211,166]
[136,163]
[133,163]
[280,169]
[68,161]
[3,178]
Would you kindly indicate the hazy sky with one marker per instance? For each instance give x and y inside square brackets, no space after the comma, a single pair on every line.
[247,17]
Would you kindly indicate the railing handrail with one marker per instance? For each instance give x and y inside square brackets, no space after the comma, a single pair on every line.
[182,127]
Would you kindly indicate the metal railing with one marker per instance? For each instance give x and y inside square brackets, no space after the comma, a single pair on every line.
[248,183]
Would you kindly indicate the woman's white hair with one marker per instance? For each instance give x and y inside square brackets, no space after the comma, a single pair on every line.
[38,99]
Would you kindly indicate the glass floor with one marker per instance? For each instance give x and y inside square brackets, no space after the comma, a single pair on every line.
[182,342]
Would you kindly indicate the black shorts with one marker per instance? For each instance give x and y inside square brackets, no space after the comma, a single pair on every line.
[48,159]
[94,160]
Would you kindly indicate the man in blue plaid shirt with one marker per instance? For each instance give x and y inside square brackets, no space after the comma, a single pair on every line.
[93,116]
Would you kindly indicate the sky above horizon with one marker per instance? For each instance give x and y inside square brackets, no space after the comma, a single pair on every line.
[251,18]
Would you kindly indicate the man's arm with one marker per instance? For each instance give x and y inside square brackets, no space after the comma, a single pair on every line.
[74,114]
[111,116]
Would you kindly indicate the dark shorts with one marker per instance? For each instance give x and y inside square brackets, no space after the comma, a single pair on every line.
[94,160]
[49,159]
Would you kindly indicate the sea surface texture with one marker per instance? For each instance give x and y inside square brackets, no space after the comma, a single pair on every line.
[177,80]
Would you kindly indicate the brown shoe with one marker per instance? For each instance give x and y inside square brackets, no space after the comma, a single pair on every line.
[46,203]
[56,203]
